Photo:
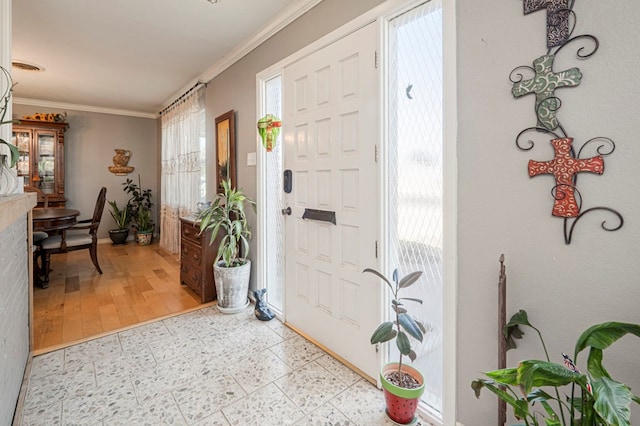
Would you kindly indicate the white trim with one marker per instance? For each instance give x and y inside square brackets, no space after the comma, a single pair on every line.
[284,18]
[261,178]
[87,108]
[450,117]
[386,11]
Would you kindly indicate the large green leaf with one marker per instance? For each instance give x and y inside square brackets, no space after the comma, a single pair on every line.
[410,279]
[520,407]
[383,333]
[409,325]
[534,373]
[382,277]
[601,336]
[612,401]
[13,151]
[507,376]
[404,346]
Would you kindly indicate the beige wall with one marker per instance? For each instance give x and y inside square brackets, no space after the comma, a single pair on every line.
[89,149]
[564,288]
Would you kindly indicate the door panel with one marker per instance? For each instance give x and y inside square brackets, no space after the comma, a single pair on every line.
[330,133]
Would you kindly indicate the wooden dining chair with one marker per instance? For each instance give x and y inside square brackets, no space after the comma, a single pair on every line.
[38,236]
[70,241]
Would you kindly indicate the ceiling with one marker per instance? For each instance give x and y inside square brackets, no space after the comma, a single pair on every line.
[134,56]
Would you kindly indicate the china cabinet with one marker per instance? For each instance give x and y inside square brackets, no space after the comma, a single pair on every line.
[41,160]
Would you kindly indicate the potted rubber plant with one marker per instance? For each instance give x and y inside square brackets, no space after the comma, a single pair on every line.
[122,218]
[403,385]
[558,394]
[231,268]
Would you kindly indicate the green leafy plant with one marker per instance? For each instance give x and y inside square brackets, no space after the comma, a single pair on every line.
[143,220]
[6,98]
[139,203]
[227,215]
[404,325]
[591,399]
[122,217]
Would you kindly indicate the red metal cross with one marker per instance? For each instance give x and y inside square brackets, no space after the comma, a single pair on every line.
[564,167]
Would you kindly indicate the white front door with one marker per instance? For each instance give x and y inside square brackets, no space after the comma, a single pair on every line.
[331,128]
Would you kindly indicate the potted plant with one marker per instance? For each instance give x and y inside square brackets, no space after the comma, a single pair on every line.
[403,385]
[144,226]
[8,179]
[122,217]
[231,269]
[590,399]
[140,205]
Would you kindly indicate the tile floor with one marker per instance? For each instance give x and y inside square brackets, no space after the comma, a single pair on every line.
[199,368]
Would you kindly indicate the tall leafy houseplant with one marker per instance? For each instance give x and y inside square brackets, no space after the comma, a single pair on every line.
[7,83]
[140,204]
[227,215]
[139,199]
[227,221]
[593,398]
[403,385]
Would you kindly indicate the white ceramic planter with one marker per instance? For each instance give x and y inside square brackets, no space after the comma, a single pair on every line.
[232,287]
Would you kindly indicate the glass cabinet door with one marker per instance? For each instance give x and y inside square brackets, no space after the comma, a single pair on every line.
[22,139]
[46,160]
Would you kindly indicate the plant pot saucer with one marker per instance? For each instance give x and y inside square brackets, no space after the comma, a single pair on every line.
[413,422]
[234,310]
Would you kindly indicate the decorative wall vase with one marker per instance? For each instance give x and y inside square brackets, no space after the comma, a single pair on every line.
[8,177]
[120,161]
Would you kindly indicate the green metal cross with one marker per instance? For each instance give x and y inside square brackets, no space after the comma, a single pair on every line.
[543,84]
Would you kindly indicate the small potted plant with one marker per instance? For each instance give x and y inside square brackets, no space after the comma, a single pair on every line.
[544,392]
[403,385]
[144,227]
[122,218]
[231,269]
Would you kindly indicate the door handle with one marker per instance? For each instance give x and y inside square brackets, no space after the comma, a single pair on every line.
[286,211]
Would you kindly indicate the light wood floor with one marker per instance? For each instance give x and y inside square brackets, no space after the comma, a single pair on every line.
[138,284]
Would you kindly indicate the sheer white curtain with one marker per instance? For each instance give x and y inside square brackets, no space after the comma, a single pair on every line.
[182,128]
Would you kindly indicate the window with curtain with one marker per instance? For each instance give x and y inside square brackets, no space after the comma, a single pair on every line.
[183,180]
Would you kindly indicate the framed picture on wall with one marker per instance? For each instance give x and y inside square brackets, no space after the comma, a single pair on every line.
[225,149]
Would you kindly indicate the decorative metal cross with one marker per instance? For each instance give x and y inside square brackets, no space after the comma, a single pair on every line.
[543,84]
[557,19]
[564,168]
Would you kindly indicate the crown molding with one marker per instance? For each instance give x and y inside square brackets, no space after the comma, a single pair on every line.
[284,18]
[86,108]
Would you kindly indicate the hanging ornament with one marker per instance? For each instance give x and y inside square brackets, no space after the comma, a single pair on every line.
[269,129]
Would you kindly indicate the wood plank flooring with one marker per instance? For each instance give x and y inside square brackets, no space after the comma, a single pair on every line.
[138,284]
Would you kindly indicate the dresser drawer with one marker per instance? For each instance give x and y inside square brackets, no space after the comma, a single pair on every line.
[191,277]
[191,253]
[191,232]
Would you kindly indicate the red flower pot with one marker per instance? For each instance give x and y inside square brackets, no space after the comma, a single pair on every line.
[401,402]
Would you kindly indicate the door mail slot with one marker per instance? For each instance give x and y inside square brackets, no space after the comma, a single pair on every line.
[320,215]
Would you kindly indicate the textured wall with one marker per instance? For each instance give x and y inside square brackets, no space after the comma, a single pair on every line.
[14,315]
[89,149]
[565,289]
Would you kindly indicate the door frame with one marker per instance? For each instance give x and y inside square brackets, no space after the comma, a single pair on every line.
[383,13]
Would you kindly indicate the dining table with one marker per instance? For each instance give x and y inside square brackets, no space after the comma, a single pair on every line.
[52,219]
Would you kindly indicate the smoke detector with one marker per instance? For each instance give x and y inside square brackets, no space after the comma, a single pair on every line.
[26,66]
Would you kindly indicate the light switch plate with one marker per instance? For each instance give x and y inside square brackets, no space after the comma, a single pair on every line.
[251,158]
